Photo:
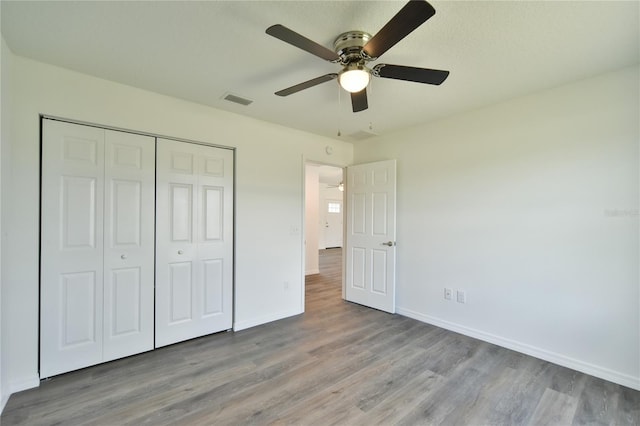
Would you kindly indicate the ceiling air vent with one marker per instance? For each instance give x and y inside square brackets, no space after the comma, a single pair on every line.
[361,135]
[237,99]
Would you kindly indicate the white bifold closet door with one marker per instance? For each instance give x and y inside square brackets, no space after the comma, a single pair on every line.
[194,241]
[97,239]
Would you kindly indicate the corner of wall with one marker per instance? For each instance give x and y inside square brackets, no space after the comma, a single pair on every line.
[254,322]
[311,219]
[5,67]
[3,397]
[3,402]
[518,346]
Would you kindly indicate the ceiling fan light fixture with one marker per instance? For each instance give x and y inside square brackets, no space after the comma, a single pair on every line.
[354,78]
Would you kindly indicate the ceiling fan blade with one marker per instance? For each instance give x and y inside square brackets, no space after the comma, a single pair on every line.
[307,84]
[419,75]
[293,38]
[359,100]
[410,17]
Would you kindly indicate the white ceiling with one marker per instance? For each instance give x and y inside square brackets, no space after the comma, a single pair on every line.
[200,50]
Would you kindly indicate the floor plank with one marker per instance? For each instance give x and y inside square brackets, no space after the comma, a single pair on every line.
[337,364]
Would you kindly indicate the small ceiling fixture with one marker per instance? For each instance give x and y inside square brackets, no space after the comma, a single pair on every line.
[354,78]
[340,186]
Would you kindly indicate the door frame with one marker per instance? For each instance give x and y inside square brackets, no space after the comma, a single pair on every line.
[305,162]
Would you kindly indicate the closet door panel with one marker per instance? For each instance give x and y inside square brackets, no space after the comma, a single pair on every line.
[71,320]
[180,293]
[215,239]
[194,241]
[214,287]
[97,239]
[129,244]
[127,311]
[177,272]
[77,309]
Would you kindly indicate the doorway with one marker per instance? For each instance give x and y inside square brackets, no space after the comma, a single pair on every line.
[324,221]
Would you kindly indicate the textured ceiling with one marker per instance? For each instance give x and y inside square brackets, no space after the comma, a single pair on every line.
[199,51]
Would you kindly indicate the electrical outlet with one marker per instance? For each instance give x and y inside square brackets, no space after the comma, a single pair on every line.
[448,293]
[461,296]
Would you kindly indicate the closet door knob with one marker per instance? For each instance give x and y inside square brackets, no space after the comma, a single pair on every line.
[124,256]
[180,252]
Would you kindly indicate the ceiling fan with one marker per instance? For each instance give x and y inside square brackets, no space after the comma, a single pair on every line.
[340,186]
[354,49]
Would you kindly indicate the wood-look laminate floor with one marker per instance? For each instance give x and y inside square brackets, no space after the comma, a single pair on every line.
[337,364]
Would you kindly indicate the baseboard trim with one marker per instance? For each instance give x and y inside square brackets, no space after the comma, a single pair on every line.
[3,402]
[24,384]
[253,322]
[556,358]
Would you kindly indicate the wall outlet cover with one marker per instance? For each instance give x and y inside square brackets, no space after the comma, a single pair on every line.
[448,293]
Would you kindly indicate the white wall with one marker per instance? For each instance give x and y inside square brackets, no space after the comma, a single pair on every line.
[269,193]
[531,207]
[312,197]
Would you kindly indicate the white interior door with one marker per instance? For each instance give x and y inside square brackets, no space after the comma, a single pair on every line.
[371,232]
[194,241]
[71,289]
[97,246]
[333,227]
[128,244]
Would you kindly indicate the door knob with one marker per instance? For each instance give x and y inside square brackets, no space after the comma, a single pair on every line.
[389,243]
[124,256]
[180,252]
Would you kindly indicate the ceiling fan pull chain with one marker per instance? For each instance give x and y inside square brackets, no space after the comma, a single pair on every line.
[339,109]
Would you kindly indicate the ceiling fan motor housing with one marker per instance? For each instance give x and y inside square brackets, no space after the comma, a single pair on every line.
[349,46]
